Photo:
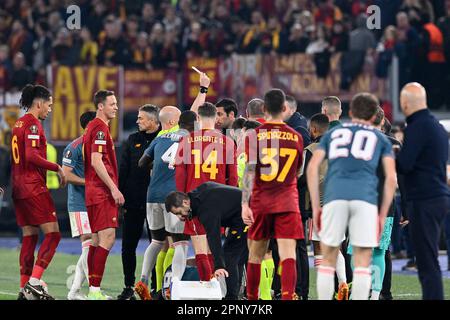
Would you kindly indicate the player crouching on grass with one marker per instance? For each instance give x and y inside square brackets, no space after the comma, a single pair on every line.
[32,201]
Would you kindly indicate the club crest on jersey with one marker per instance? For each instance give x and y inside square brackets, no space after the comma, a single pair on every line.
[100,135]
[34,129]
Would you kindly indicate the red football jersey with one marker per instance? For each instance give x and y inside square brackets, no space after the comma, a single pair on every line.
[28,158]
[98,139]
[277,151]
[205,155]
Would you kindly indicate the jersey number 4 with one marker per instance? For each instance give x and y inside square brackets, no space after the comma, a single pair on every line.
[362,147]
[270,157]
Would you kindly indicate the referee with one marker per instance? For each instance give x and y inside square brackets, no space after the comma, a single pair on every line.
[133,183]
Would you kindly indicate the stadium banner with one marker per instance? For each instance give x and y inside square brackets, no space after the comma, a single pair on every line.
[158,87]
[297,75]
[73,90]
[191,78]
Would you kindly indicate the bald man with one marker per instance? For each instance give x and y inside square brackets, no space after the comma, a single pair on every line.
[161,153]
[133,183]
[331,107]
[423,160]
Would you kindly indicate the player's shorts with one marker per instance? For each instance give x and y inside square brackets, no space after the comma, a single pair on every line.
[103,215]
[194,227]
[313,235]
[287,225]
[158,218]
[79,223]
[385,240]
[35,211]
[360,217]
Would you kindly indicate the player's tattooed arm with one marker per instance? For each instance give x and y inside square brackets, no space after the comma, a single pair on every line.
[247,182]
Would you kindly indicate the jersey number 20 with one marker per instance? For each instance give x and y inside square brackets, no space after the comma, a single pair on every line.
[363,145]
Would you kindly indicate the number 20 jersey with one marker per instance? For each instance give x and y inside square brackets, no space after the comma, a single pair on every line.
[277,151]
[354,152]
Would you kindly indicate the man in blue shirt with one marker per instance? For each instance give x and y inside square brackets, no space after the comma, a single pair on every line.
[161,153]
[354,151]
[73,166]
[423,161]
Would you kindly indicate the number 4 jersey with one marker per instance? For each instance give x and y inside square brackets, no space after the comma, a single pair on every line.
[354,152]
[277,151]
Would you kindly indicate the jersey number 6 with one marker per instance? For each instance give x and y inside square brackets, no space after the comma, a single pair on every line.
[15,150]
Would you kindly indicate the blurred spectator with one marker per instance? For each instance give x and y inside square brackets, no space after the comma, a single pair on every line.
[39,12]
[96,18]
[142,54]
[132,28]
[270,40]
[171,21]
[5,62]
[385,50]
[191,40]
[212,40]
[20,40]
[298,41]
[361,39]
[89,48]
[247,8]
[339,38]
[171,51]
[64,52]
[319,43]
[55,23]
[156,45]
[416,9]
[114,49]
[42,47]
[22,75]
[327,13]
[148,18]
[252,38]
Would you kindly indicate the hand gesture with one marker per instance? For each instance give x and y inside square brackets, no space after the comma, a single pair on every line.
[61,177]
[118,197]
[247,215]
[204,80]
[221,273]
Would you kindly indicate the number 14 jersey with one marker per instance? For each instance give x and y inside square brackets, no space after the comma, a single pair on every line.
[354,152]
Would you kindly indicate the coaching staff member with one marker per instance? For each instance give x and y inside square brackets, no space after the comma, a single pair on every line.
[423,160]
[216,205]
[133,183]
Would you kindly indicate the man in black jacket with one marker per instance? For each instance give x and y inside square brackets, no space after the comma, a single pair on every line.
[296,121]
[216,205]
[133,183]
[423,161]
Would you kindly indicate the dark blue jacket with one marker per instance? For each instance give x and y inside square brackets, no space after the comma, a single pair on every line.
[300,124]
[423,158]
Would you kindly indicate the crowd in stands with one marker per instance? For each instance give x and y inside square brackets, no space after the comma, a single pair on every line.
[156,34]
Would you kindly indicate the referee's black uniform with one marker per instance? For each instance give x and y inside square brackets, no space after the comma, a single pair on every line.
[133,183]
[217,205]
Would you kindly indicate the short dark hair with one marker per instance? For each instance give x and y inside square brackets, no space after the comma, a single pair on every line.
[100,96]
[387,127]
[251,124]
[320,121]
[187,120]
[175,199]
[150,109]
[238,123]
[274,101]
[228,105]
[31,92]
[207,110]
[331,100]
[379,117]
[87,117]
[292,102]
[255,107]
[364,106]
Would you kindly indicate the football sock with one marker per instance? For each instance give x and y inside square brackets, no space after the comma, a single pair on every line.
[378,271]
[340,268]
[253,277]
[99,263]
[270,266]
[264,283]
[26,258]
[90,262]
[45,256]
[159,269]
[362,278]
[79,276]
[179,259]
[318,260]
[325,282]
[203,267]
[168,259]
[85,245]
[150,257]
[211,263]
[288,279]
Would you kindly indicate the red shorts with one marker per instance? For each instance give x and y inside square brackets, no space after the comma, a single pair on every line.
[194,227]
[286,225]
[103,215]
[35,211]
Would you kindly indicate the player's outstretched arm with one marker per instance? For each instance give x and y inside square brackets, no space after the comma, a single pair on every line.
[312,174]
[71,177]
[390,184]
[201,97]
[100,169]
[247,187]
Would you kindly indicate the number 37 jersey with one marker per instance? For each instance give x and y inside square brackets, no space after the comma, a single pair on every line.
[277,151]
[354,152]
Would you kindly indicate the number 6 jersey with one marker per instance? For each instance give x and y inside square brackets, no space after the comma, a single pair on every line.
[354,152]
[277,151]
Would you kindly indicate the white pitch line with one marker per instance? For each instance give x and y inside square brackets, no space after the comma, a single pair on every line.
[8,293]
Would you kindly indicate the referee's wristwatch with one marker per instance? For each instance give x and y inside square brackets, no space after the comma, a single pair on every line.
[203,89]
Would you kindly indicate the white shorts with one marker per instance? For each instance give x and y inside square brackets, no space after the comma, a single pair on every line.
[79,223]
[360,217]
[158,218]
[313,235]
